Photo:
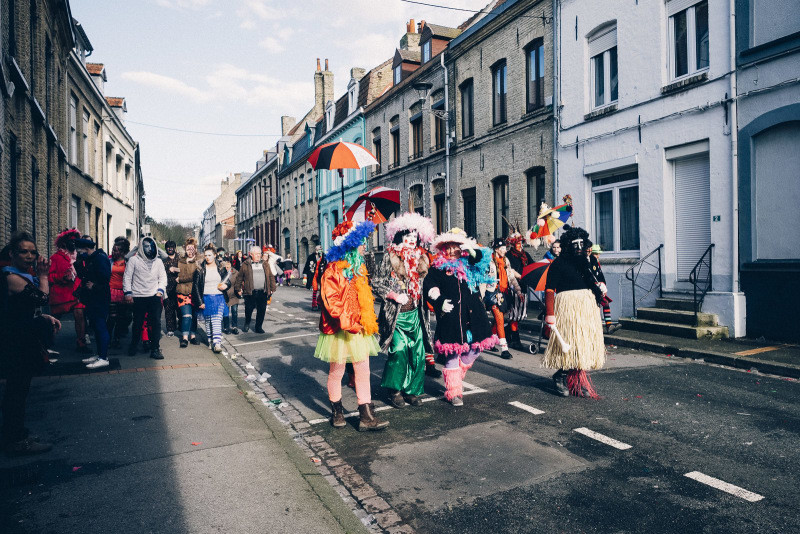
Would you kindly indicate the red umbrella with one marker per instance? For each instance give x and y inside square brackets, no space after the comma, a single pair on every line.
[376,205]
[534,275]
[341,155]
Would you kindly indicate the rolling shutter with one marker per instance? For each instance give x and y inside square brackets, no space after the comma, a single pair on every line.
[692,212]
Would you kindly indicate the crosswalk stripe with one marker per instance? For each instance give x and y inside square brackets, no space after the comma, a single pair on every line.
[531,409]
[724,486]
[602,438]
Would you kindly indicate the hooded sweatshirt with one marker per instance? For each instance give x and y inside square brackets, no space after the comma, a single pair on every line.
[144,277]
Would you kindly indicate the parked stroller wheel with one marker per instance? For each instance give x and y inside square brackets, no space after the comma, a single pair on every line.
[533,348]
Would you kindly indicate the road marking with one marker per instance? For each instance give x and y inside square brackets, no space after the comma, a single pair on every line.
[531,409]
[289,315]
[724,486]
[603,439]
[274,339]
[278,311]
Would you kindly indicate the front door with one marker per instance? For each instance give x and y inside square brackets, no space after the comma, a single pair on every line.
[692,212]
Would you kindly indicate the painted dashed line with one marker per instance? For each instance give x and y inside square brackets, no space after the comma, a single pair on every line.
[602,438]
[530,409]
[724,486]
[269,340]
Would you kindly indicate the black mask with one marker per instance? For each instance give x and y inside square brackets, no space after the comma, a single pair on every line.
[149,249]
[577,245]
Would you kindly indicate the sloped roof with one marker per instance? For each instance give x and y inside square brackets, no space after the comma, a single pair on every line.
[477,16]
[413,56]
[441,32]
[116,102]
[370,79]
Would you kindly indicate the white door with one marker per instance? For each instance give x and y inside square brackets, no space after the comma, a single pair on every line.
[692,212]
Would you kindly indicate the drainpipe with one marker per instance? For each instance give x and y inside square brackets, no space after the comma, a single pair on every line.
[446,142]
[556,100]
[734,124]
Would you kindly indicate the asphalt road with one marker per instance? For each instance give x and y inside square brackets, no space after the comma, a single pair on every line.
[672,446]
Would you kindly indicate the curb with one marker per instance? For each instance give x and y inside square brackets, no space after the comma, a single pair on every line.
[720,358]
[321,487]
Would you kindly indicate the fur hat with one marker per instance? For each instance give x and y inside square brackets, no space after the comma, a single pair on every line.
[66,236]
[412,222]
[455,235]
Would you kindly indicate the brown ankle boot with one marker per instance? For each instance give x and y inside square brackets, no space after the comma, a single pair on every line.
[368,420]
[337,417]
[396,400]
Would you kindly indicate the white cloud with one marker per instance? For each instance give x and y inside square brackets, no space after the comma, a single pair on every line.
[183,4]
[251,11]
[168,84]
[271,45]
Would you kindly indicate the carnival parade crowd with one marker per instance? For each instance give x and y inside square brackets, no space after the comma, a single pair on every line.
[477,295]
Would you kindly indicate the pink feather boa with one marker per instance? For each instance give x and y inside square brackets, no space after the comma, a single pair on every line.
[463,348]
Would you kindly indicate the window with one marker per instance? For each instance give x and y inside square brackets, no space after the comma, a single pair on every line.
[616,211]
[688,37]
[376,148]
[398,74]
[470,212]
[73,211]
[73,130]
[394,134]
[87,218]
[329,115]
[352,96]
[499,92]
[415,204]
[302,189]
[467,122]
[295,192]
[98,164]
[426,51]
[535,179]
[416,137]
[438,201]
[603,66]
[85,141]
[534,67]
[437,100]
[34,180]
[12,186]
[500,206]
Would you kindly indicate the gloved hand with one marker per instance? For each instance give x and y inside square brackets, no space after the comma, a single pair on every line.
[447,306]
[603,288]
[400,298]
[434,293]
[467,247]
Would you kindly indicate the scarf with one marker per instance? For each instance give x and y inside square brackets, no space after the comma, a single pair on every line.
[520,255]
[502,275]
[410,257]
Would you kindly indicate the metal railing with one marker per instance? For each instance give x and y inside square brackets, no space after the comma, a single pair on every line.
[701,279]
[633,273]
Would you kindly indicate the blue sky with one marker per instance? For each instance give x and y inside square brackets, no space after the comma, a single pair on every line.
[230,66]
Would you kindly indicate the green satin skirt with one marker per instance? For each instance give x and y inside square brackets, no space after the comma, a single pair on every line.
[405,367]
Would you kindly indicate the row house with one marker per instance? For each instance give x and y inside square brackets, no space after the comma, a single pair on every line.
[219,219]
[104,185]
[344,121]
[646,146]
[767,108]
[256,200]
[35,45]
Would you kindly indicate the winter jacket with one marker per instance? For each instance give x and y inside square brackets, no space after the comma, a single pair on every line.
[199,281]
[95,268]
[244,280]
[186,274]
[230,294]
[310,267]
[62,283]
[172,278]
[144,277]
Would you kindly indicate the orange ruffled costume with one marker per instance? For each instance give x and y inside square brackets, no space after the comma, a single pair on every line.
[347,322]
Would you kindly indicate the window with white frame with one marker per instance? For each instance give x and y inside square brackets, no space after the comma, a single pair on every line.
[85,140]
[603,66]
[426,51]
[329,115]
[398,74]
[352,96]
[615,203]
[688,43]
[302,189]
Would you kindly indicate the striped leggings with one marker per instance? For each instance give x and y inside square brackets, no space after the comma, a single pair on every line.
[212,313]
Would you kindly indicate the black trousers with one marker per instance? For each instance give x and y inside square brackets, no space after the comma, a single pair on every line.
[171,311]
[152,307]
[257,300]
[17,386]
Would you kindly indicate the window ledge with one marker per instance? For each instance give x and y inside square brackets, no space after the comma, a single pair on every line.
[685,83]
[497,127]
[541,110]
[600,112]
[618,260]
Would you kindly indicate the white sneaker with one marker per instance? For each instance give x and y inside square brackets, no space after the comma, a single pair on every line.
[217,348]
[457,401]
[98,364]
[88,360]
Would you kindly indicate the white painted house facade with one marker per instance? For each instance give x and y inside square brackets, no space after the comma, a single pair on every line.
[644,141]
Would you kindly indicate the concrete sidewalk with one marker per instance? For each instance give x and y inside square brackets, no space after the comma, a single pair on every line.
[160,446]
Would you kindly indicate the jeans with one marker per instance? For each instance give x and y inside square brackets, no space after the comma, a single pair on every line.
[98,319]
[234,315]
[152,307]
[257,300]
[188,320]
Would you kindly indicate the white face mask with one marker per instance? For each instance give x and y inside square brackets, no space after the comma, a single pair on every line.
[410,240]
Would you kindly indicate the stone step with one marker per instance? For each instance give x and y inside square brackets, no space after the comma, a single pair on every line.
[677,330]
[663,315]
[673,303]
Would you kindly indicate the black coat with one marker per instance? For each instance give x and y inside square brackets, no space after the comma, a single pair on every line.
[199,282]
[468,312]
[310,268]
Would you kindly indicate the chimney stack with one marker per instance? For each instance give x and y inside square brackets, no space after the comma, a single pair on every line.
[323,89]
[410,40]
[357,73]
[326,64]
[318,67]
[411,27]
[287,123]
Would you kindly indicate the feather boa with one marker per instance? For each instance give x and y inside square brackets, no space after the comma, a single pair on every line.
[366,303]
[353,239]
[474,275]
[410,258]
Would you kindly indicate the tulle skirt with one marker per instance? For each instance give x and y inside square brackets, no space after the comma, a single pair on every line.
[344,347]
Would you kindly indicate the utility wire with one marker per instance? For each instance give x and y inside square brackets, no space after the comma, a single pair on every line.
[219,134]
[464,9]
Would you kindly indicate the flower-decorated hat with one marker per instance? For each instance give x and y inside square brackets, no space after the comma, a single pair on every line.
[455,235]
[348,236]
[413,222]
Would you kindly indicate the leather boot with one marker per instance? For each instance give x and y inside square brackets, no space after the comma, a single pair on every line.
[516,343]
[396,399]
[432,371]
[560,383]
[413,400]
[368,420]
[337,416]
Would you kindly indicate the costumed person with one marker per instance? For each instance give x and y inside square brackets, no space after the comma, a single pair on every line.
[518,258]
[347,323]
[171,300]
[609,327]
[309,271]
[452,287]
[403,325]
[187,266]
[571,297]
[144,284]
[119,311]
[504,296]
[64,282]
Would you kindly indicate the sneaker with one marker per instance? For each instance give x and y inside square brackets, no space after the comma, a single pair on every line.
[88,360]
[170,334]
[156,354]
[184,343]
[26,447]
[457,401]
[259,331]
[194,341]
[246,328]
[99,363]
[217,348]
[506,355]
[234,330]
